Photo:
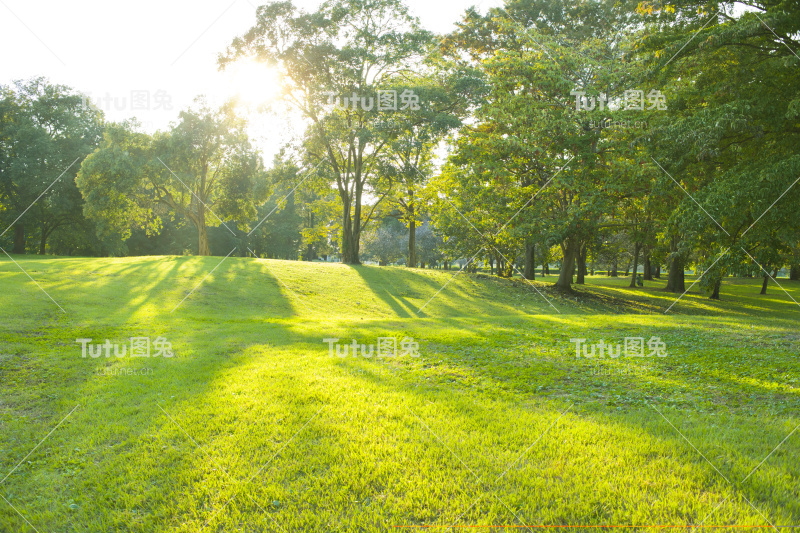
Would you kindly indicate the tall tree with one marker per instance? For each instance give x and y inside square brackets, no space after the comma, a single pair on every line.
[347,49]
[536,56]
[203,168]
[45,132]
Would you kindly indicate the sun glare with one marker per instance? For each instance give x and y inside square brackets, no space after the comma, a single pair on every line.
[254,83]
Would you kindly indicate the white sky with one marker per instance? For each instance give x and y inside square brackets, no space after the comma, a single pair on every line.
[104,48]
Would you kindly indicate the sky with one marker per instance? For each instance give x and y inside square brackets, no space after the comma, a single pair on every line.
[150,59]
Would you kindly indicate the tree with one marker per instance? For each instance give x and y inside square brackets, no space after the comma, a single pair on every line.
[384,243]
[520,154]
[730,141]
[346,47]
[45,132]
[205,163]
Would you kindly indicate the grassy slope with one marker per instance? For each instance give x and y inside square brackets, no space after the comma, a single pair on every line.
[454,435]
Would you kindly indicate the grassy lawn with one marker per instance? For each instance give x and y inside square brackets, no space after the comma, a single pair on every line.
[253,426]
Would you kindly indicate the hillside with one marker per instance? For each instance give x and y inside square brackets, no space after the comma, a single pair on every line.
[362,444]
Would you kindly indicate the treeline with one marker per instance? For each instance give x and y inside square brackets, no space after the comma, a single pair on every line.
[585,133]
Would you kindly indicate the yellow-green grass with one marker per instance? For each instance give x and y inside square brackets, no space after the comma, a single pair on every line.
[253,426]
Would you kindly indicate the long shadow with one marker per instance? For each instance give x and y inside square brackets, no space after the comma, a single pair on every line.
[438,299]
[119,427]
[187,386]
[638,417]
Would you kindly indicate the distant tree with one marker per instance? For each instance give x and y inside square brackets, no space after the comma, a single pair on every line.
[346,48]
[45,133]
[202,168]
[384,243]
[430,245]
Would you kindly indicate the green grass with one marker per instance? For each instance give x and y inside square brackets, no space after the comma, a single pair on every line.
[252,426]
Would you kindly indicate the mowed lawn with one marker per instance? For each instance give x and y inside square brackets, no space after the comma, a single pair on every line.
[253,426]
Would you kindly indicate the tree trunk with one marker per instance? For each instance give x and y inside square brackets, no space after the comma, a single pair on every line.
[19,239]
[412,244]
[350,232]
[581,260]
[614,273]
[794,273]
[203,248]
[715,294]
[657,275]
[764,284]
[571,251]
[43,243]
[636,248]
[676,281]
[530,260]
[491,266]
[648,268]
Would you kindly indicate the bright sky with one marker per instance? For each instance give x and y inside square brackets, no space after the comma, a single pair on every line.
[109,49]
